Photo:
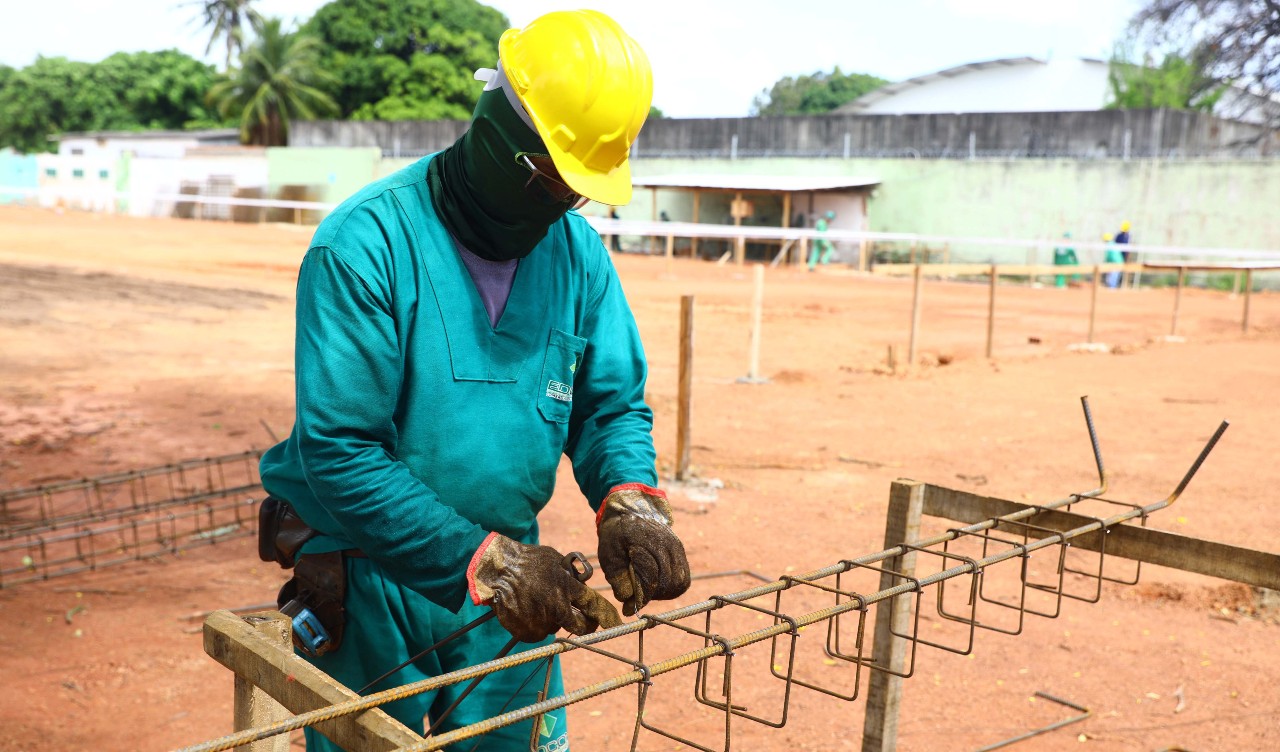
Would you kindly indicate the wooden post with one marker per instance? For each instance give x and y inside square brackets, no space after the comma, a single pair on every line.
[803,257]
[671,250]
[991,313]
[884,692]
[757,308]
[1093,301]
[683,407]
[1235,283]
[912,258]
[863,247]
[915,319]
[297,215]
[299,686]
[1248,290]
[653,240]
[786,210]
[1177,300]
[697,209]
[253,707]
[740,250]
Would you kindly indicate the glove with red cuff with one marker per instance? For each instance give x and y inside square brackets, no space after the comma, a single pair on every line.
[641,557]
[533,592]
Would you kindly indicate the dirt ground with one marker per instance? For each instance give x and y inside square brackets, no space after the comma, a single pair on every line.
[128,343]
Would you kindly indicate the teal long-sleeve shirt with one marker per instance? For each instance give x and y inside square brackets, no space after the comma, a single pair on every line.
[420,427]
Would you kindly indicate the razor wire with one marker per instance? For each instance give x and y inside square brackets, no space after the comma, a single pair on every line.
[1012,537]
[65,528]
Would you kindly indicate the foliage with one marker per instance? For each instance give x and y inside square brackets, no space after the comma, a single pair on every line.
[655,113]
[1240,39]
[227,19]
[279,79]
[407,59]
[814,94]
[1179,83]
[127,91]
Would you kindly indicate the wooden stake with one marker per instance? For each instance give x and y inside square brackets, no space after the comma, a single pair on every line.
[757,308]
[740,250]
[991,313]
[653,193]
[671,249]
[915,319]
[684,408]
[253,707]
[697,207]
[1177,300]
[1248,290]
[884,693]
[1093,301]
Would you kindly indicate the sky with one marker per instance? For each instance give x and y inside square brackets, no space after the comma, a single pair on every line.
[710,57]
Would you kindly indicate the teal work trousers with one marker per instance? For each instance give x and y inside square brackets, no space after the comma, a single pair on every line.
[386,624]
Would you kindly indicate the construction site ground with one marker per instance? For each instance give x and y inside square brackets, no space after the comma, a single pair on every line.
[128,343]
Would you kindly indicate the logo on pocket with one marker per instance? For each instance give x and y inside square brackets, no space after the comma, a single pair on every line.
[559,391]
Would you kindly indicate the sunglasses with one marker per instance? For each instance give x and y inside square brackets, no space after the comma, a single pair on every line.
[544,182]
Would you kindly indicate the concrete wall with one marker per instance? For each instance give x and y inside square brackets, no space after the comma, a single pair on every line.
[399,138]
[148,177]
[1091,134]
[1184,203]
[333,173]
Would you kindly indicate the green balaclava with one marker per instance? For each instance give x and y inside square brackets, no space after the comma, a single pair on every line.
[478,187]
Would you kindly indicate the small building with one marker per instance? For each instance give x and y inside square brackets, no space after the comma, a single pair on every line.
[760,200]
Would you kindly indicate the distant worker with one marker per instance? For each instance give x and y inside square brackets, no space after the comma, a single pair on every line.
[1122,238]
[1064,255]
[1113,256]
[822,248]
[460,329]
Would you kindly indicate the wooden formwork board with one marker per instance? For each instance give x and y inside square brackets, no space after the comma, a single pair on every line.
[235,642]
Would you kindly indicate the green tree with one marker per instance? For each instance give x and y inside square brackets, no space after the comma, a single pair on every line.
[226,20]
[1178,82]
[1238,41]
[814,94]
[279,79]
[407,59]
[163,89]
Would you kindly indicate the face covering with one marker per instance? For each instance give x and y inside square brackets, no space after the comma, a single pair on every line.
[478,188]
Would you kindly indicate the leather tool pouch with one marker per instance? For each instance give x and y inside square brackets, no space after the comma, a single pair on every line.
[281,532]
[320,584]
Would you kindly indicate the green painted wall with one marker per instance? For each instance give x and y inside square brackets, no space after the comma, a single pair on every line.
[335,172]
[1184,203]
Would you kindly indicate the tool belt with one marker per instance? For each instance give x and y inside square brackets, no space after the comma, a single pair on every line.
[314,597]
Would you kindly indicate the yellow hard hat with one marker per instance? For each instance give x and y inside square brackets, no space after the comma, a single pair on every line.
[1124,226]
[587,86]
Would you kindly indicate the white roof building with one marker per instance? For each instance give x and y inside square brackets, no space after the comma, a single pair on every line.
[1017,84]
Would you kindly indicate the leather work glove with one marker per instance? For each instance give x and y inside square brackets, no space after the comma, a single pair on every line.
[534,591]
[641,558]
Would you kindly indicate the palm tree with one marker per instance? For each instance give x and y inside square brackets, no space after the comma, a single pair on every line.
[278,80]
[227,18]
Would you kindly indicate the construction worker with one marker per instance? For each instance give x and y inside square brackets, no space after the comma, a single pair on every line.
[821,253]
[1113,256]
[459,328]
[1064,255]
[1122,238]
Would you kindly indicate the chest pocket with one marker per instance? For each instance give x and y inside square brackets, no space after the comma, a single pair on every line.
[555,388]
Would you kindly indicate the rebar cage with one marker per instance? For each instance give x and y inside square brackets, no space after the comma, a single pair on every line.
[76,526]
[989,575]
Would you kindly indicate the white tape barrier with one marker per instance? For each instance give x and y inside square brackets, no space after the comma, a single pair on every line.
[607,226]
[177,198]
